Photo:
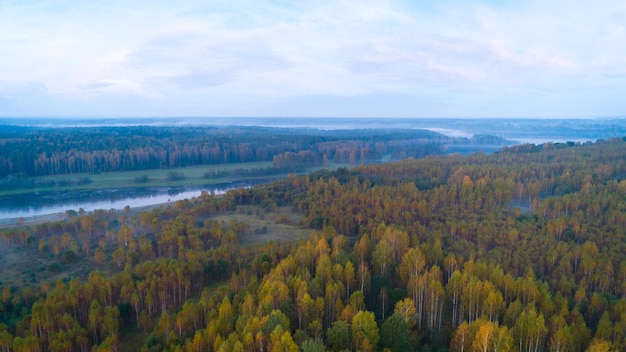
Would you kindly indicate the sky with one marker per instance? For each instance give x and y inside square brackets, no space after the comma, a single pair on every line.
[366,58]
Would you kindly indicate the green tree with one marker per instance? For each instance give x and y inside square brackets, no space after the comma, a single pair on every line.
[313,345]
[365,332]
[338,337]
[529,331]
[394,334]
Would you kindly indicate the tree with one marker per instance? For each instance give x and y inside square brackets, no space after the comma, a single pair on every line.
[501,339]
[484,335]
[282,341]
[6,340]
[225,317]
[124,235]
[529,331]
[398,241]
[365,332]
[96,317]
[412,265]
[605,327]
[99,256]
[600,346]
[394,334]
[363,277]
[338,336]
[313,345]
[383,301]
[382,258]
[348,277]
[462,339]
[110,323]
[275,318]
[406,309]
[362,248]
[492,305]
[434,300]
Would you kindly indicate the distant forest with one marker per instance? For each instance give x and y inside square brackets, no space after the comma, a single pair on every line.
[38,151]
[519,250]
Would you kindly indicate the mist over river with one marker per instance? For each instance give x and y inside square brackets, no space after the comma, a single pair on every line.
[53,203]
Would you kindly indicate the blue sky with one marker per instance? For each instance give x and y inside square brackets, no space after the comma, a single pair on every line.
[550,58]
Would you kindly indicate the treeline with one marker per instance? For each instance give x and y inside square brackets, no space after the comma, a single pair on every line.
[37,151]
[520,250]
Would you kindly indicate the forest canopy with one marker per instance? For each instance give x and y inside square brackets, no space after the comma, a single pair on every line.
[519,250]
[39,151]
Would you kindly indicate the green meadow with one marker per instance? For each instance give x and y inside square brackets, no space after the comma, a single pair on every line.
[176,177]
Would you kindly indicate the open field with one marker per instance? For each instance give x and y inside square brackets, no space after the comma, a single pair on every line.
[282,225]
[202,175]
[192,175]
[25,265]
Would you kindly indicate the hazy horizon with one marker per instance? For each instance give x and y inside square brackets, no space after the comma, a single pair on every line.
[523,130]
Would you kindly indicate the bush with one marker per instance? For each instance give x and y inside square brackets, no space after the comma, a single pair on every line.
[84,181]
[68,257]
[54,267]
[142,179]
[175,176]
[261,231]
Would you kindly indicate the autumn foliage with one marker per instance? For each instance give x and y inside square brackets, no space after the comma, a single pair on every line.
[520,250]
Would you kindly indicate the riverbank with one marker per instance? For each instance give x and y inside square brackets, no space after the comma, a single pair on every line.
[116,190]
[29,221]
[157,178]
[39,207]
[60,212]
[60,216]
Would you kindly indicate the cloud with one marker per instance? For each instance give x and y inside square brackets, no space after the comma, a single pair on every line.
[116,86]
[196,59]
[95,85]
[19,88]
[198,78]
[153,56]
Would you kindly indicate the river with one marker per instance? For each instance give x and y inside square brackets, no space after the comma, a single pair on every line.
[40,205]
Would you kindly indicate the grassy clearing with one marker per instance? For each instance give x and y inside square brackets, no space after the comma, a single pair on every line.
[189,176]
[282,225]
[192,176]
[22,266]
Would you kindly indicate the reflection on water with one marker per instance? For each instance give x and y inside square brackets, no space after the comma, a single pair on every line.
[25,206]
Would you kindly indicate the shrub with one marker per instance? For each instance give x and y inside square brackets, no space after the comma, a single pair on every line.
[142,179]
[175,176]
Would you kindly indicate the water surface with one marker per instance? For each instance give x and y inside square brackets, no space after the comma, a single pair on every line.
[35,205]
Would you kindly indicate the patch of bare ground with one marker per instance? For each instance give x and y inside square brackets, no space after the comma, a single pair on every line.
[279,225]
[25,265]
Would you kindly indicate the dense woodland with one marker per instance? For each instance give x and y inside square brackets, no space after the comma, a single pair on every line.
[39,151]
[521,250]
